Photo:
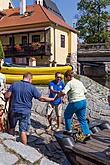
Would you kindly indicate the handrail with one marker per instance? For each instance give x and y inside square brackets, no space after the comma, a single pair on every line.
[95,46]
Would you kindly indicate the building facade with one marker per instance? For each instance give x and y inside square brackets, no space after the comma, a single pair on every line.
[37,34]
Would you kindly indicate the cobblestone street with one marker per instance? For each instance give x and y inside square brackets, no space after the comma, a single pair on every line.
[42,148]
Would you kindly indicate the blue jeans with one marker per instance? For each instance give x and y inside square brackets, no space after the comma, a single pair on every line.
[79,108]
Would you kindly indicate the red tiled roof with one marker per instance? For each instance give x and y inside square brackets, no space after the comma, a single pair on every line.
[38,14]
[52,17]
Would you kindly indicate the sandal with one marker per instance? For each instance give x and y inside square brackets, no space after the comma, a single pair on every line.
[49,128]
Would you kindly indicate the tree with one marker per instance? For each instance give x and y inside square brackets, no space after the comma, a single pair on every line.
[1,51]
[93,21]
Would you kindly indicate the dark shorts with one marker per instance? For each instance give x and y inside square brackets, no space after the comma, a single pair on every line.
[23,119]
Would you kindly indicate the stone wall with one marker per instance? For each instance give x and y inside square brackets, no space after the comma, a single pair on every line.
[97,104]
[94,71]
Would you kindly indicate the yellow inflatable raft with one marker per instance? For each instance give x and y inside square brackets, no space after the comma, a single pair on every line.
[37,79]
[35,70]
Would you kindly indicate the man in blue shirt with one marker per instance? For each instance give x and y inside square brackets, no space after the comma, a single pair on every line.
[21,93]
[55,86]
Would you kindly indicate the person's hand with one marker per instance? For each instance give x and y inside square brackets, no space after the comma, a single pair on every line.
[59,93]
[3,92]
[64,100]
[56,97]
[52,99]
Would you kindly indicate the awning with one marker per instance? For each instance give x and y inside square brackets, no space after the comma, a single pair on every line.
[24,30]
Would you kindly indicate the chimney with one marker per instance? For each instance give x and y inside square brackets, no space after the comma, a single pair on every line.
[10,6]
[40,2]
[22,7]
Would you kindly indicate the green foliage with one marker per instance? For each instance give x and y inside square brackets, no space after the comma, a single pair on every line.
[93,21]
[1,51]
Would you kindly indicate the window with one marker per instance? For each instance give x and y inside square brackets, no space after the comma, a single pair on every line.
[36,38]
[11,41]
[62,41]
[24,40]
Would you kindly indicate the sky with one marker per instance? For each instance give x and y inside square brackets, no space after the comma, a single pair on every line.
[68,8]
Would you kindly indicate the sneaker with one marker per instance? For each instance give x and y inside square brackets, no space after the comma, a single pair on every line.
[49,128]
[58,129]
[67,132]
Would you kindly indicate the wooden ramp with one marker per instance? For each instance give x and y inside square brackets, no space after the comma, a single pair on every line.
[94,151]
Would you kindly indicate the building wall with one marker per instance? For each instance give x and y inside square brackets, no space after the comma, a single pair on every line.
[73,42]
[4,4]
[59,54]
[69,43]
[42,61]
[18,37]
[72,49]
[52,43]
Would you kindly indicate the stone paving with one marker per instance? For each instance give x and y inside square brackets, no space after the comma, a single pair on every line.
[42,148]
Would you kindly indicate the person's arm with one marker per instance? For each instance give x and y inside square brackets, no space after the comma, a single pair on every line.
[63,92]
[85,90]
[64,99]
[7,94]
[45,99]
[59,94]
[52,90]
[37,95]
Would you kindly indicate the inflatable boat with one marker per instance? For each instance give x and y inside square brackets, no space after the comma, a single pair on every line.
[35,70]
[36,79]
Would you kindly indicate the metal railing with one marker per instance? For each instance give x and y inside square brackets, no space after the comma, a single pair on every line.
[36,49]
[94,47]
